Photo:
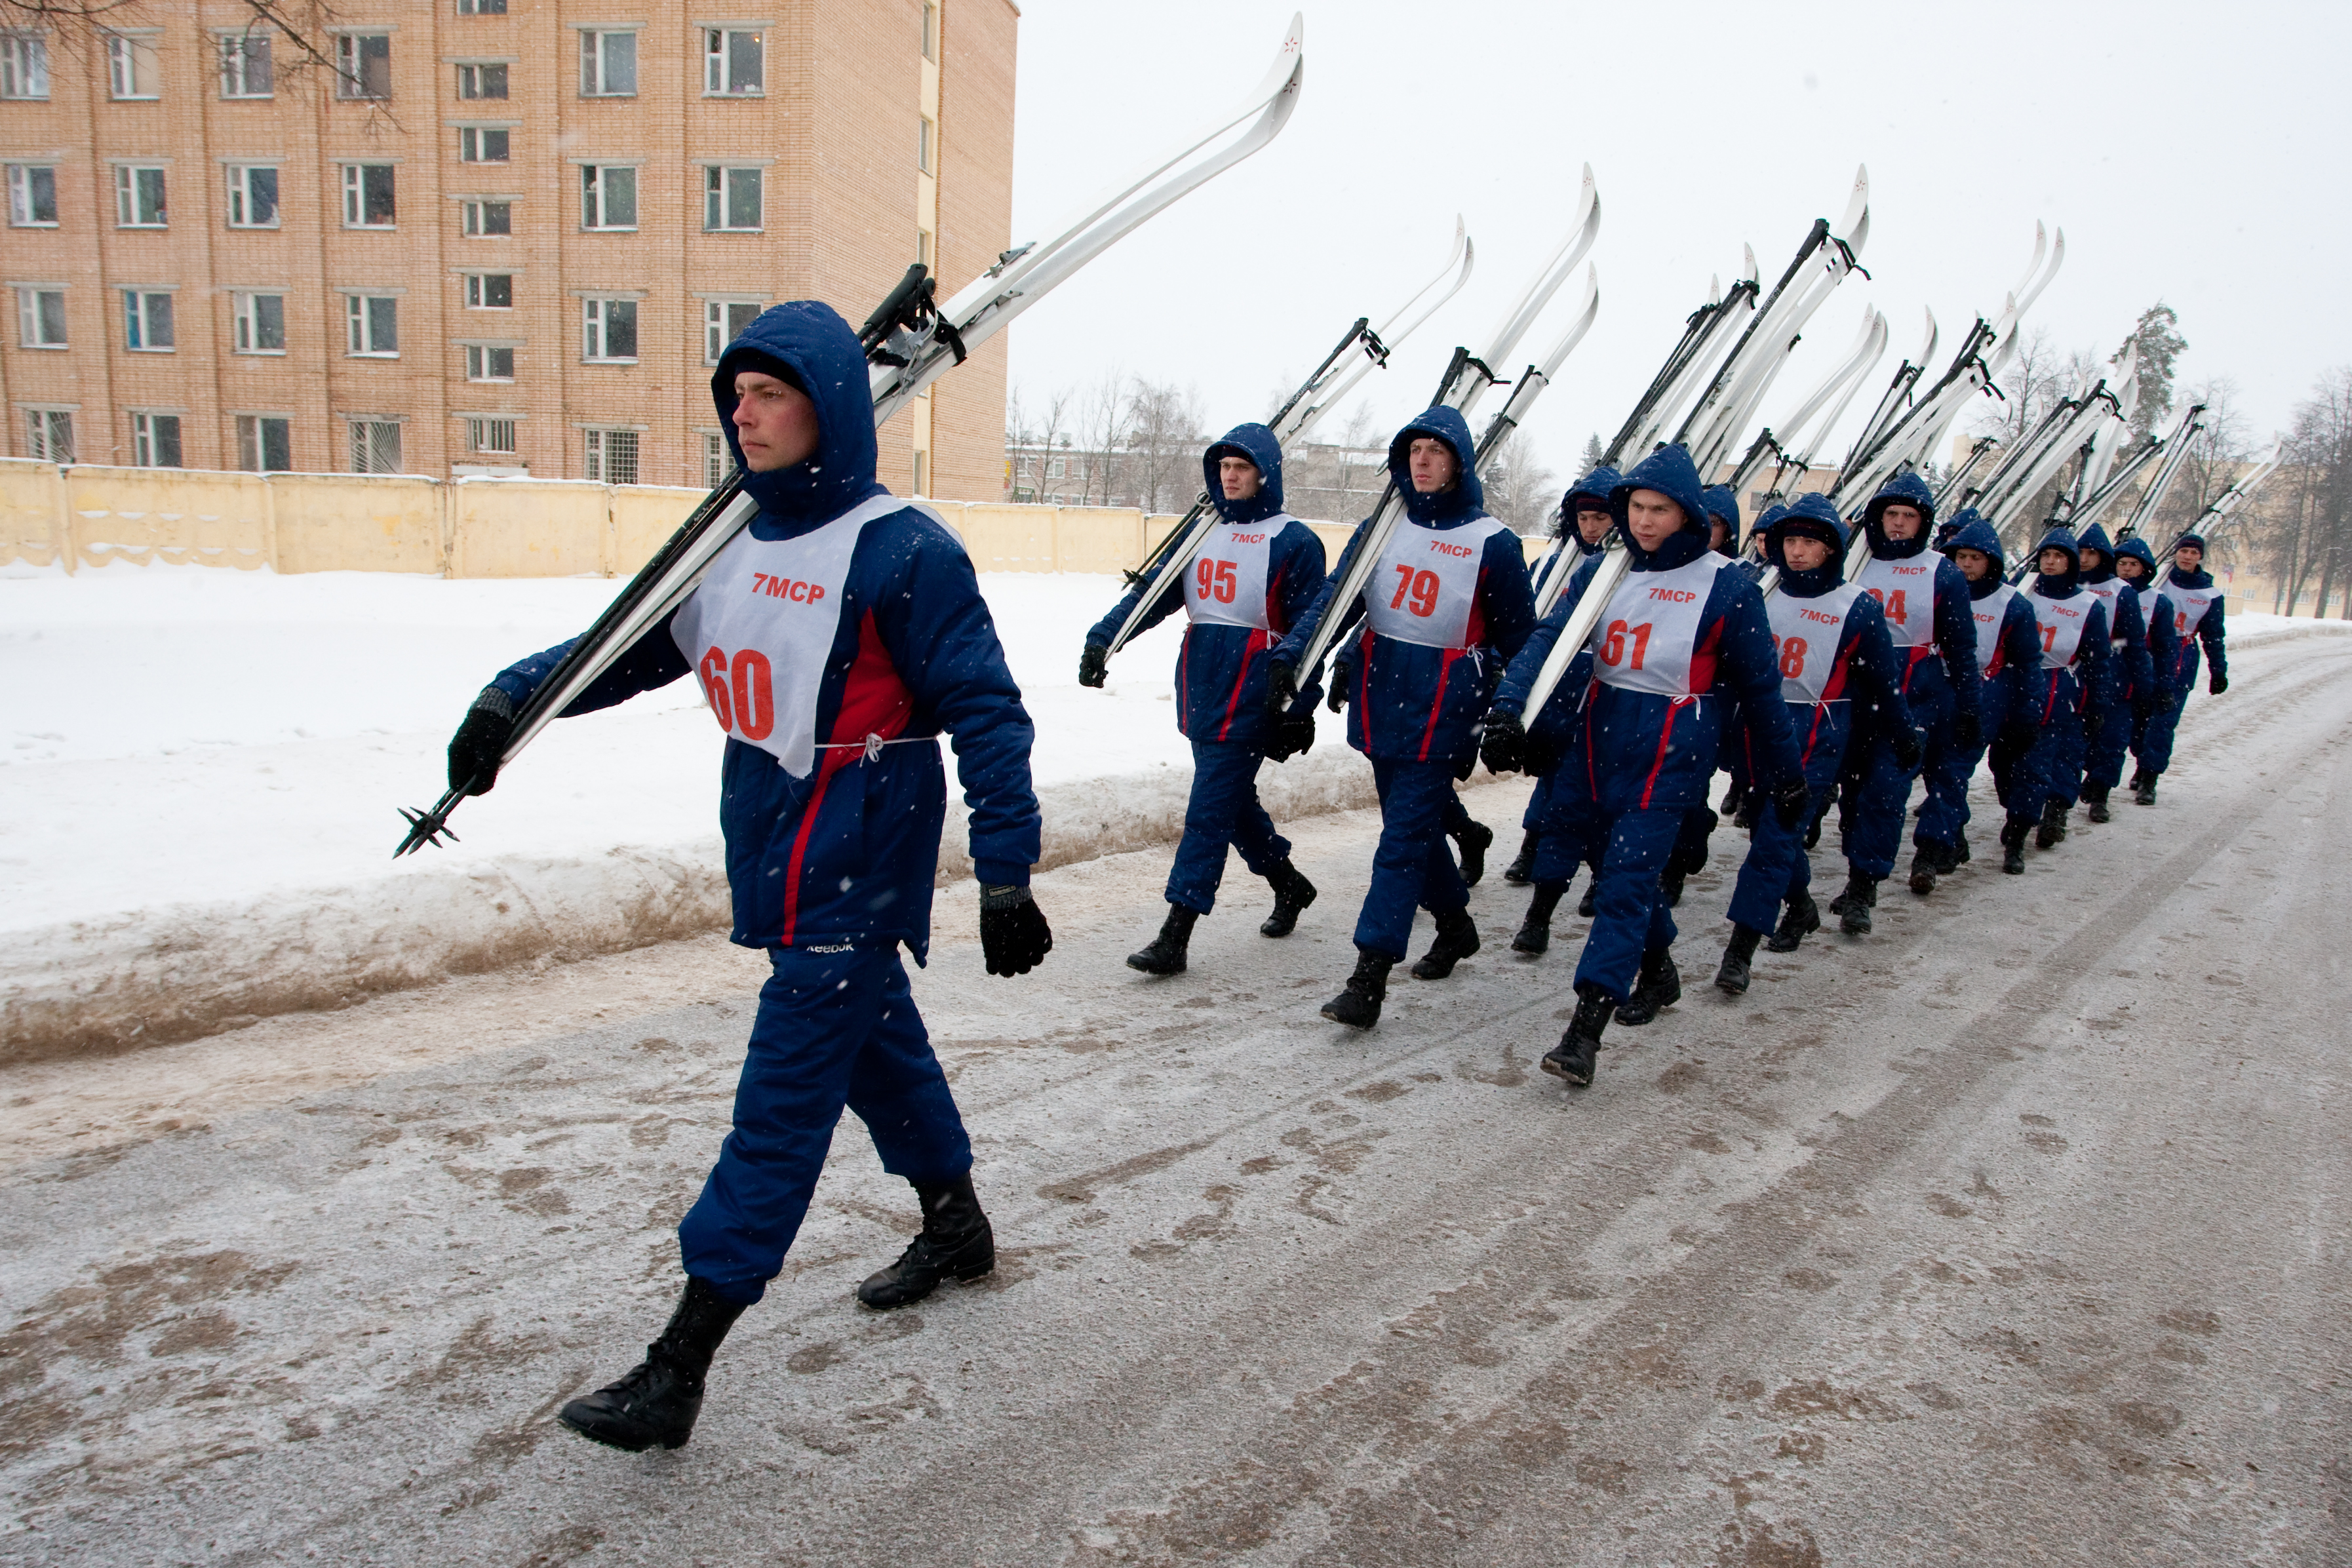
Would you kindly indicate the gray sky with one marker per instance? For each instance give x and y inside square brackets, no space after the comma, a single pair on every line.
[2191,153]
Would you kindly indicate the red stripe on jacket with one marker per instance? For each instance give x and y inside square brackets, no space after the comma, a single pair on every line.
[874,701]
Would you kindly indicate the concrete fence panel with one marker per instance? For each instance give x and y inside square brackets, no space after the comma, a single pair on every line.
[529,528]
[359,522]
[1007,537]
[644,517]
[33,527]
[181,516]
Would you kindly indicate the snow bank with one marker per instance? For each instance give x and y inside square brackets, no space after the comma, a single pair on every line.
[200,770]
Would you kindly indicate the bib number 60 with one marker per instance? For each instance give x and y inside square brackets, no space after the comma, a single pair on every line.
[749,683]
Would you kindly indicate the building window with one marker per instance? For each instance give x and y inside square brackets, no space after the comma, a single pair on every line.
[481,7]
[376,445]
[374,325]
[733,64]
[717,461]
[147,324]
[258,324]
[367,196]
[612,456]
[264,445]
[363,65]
[489,290]
[155,440]
[252,197]
[49,434]
[484,144]
[481,81]
[608,195]
[32,196]
[41,318]
[488,362]
[608,64]
[723,321]
[485,218]
[244,68]
[131,70]
[923,143]
[495,436]
[611,335]
[24,66]
[139,198]
[730,199]
[931,31]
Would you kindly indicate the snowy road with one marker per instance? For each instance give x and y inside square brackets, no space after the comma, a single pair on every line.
[2015,1233]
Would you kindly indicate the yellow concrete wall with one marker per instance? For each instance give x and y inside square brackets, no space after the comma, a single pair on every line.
[89,514]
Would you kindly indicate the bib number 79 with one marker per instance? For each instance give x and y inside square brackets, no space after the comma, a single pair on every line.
[740,694]
[1612,644]
[1421,587]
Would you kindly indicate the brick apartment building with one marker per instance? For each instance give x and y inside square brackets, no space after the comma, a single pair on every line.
[496,237]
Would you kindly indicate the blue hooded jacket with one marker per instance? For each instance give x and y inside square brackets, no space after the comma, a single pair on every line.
[2177,672]
[2126,627]
[1221,671]
[2017,654]
[2163,643]
[1408,701]
[1866,680]
[848,853]
[1721,501]
[1954,634]
[2089,686]
[1573,553]
[1630,750]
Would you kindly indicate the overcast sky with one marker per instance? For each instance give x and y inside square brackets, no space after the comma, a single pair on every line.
[2191,152]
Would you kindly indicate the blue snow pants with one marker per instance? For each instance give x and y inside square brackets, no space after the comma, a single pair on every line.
[1629,917]
[1539,802]
[2109,739]
[1223,809]
[1777,867]
[1411,866]
[1567,840]
[1875,834]
[834,1029]
[2156,739]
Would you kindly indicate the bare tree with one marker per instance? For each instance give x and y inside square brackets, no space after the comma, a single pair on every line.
[1101,426]
[1164,444]
[1519,489]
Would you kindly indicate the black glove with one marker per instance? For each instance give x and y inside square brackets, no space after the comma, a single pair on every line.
[2218,684]
[1281,688]
[1290,736]
[1013,935]
[1503,748]
[1093,661]
[2016,740]
[1967,729]
[476,750]
[1791,800]
[1904,741]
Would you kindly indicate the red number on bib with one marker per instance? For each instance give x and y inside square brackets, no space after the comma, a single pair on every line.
[712,668]
[1612,645]
[1895,606]
[2048,638]
[1205,573]
[1421,587]
[755,697]
[1641,643]
[1228,582]
[1792,658]
[1404,586]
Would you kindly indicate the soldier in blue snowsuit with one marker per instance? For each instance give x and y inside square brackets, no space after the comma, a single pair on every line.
[835,638]
[2069,695]
[1252,579]
[1449,591]
[2134,686]
[1681,635]
[2194,605]
[1926,601]
[2136,571]
[1689,856]
[2009,653]
[1836,661]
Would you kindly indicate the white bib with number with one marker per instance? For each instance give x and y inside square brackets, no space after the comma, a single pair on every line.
[2063,624]
[1906,590]
[1427,581]
[2107,592]
[1226,587]
[1991,611]
[2188,607]
[1649,633]
[1805,635]
[760,628]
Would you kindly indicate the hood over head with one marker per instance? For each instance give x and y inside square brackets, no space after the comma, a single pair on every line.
[1255,443]
[1971,531]
[2059,584]
[1670,471]
[1466,499]
[1594,488]
[1811,516]
[808,343]
[2136,549]
[1908,490]
[1722,502]
[2095,538]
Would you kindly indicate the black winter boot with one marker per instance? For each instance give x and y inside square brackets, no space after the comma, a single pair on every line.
[1358,1006]
[1292,893]
[1734,797]
[1750,812]
[1660,987]
[1670,886]
[955,1244]
[1522,869]
[1853,906]
[2051,832]
[2144,788]
[1956,854]
[1738,959]
[1797,922]
[1925,863]
[1476,840]
[2095,803]
[1572,1057]
[1165,955]
[657,1401]
[1535,931]
[1457,939]
[2012,844]
[1591,891]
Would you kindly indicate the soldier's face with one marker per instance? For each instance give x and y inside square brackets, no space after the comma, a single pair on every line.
[775,422]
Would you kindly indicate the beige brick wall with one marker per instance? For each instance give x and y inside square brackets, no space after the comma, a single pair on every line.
[836,131]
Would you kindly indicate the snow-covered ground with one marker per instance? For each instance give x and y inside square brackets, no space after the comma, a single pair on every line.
[200,770]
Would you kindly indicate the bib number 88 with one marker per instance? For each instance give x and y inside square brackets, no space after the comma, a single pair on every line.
[750,685]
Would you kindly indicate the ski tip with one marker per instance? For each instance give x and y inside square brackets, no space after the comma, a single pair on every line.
[1294,37]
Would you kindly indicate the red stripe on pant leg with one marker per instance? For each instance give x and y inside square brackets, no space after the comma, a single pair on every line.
[1437,703]
[1657,763]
